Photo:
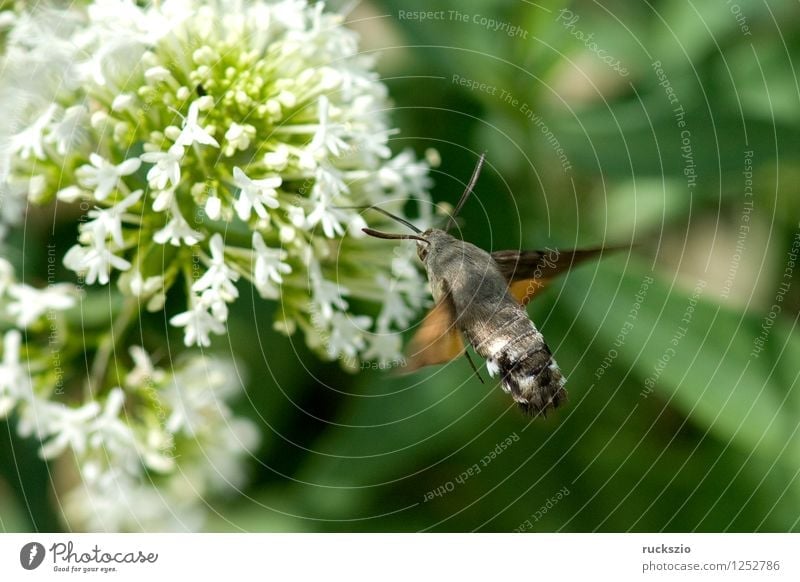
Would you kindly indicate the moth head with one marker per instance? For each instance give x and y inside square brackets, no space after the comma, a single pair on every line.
[424,246]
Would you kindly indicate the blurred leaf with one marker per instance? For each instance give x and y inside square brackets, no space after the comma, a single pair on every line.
[698,356]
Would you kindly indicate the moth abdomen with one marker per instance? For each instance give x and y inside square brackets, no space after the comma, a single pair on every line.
[516,352]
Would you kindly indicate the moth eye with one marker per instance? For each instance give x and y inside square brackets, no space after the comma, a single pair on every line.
[422,251]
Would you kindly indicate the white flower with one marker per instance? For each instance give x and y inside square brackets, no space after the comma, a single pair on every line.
[269,267]
[144,373]
[238,137]
[30,140]
[167,168]
[213,207]
[288,84]
[123,102]
[329,217]
[297,216]
[327,295]
[13,194]
[177,231]
[165,199]
[327,137]
[6,275]
[13,377]
[191,402]
[255,194]
[328,184]
[104,176]
[71,194]
[70,130]
[66,426]
[156,74]
[198,323]
[219,277]
[385,347]
[278,159]
[108,221]
[395,310]
[95,261]
[142,287]
[404,173]
[108,431]
[217,303]
[31,303]
[156,450]
[347,334]
[192,131]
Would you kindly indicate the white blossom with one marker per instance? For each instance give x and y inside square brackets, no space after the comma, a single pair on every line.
[192,131]
[31,139]
[347,334]
[13,377]
[123,102]
[238,137]
[142,287]
[104,176]
[301,120]
[327,137]
[143,373]
[395,309]
[177,231]
[6,275]
[69,131]
[109,432]
[108,221]
[329,217]
[166,168]
[384,347]
[255,194]
[219,277]
[95,262]
[269,266]
[198,323]
[327,296]
[165,199]
[277,160]
[71,194]
[213,207]
[62,426]
[29,303]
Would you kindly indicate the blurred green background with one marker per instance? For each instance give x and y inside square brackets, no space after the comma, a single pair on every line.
[684,399]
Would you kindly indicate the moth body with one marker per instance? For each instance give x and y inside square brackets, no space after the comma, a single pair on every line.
[492,320]
[481,296]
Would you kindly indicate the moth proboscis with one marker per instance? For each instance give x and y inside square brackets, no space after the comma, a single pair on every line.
[482,296]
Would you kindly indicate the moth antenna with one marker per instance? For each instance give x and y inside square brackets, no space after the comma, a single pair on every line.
[392,236]
[385,213]
[472,181]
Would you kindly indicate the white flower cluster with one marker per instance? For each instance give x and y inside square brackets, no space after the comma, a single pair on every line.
[213,141]
[192,447]
[203,144]
[147,451]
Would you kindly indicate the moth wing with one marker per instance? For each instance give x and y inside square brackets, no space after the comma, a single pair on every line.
[523,290]
[438,339]
[529,271]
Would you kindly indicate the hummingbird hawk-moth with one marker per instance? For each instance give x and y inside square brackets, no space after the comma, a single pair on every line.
[482,296]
